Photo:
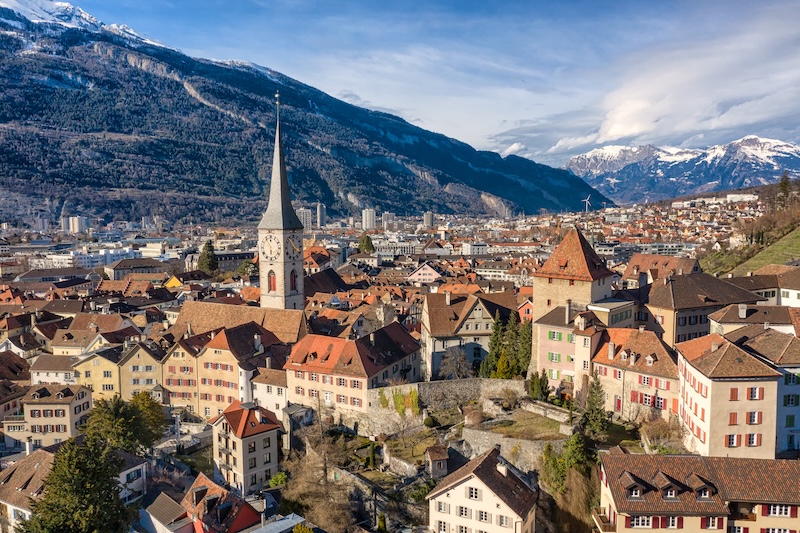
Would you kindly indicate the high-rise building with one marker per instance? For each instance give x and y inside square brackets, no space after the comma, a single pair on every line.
[387,219]
[280,241]
[368,219]
[306,216]
[322,215]
[427,219]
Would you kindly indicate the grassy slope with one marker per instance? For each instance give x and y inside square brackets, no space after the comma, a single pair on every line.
[784,250]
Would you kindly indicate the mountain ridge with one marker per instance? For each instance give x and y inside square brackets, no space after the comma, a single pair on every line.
[105,113]
[653,173]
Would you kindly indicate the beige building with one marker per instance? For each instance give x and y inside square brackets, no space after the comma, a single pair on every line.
[729,399]
[639,374]
[460,321]
[270,389]
[246,446]
[488,494]
[179,369]
[643,269]
[50,414]
[140,368]
[99,372]
[334,374]
[733,317]
[695,494]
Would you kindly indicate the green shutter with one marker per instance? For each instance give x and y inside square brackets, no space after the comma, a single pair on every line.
[785,400]
[797,399]
[789,421]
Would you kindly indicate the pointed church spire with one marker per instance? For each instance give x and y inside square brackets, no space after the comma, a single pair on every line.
[280,213]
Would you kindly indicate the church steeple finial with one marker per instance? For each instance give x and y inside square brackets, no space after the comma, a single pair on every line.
[279,214]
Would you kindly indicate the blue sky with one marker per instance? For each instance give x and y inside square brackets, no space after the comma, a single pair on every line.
[542,79]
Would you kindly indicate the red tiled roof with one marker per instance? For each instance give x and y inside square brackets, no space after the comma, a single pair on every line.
[247,420]
[574,258]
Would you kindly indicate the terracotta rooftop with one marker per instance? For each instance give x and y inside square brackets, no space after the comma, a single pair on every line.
[694,291]
[574,258]
[726,361]
[288,325]
[647,351]
[247,419]
[658,266]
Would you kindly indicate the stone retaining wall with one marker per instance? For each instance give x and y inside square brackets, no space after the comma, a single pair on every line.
[524,454]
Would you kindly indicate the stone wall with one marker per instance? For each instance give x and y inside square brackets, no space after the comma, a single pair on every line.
[450,393]
[524,454]
[397,465]
[547,410]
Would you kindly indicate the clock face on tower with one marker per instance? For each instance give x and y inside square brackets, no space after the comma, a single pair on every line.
[270,247]
[294,247]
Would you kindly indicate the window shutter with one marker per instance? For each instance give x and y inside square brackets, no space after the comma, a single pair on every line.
[680,522]
[797,399]
[641,397]
[759,417]
[793,511]
[628,522]
[640,379]
[634,396]
[786,379]
[663,521]
[720,520]
[761,393]
[758,439]
[738,440]
[745,530]
[667,386]
[732,419]
[734,394]
[764,509]
[703,523]
[727,445]
[654,522]
[785,400]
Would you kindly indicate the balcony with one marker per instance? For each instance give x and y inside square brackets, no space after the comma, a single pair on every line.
[14,418]
[225,466]
[602,522]
[225,450]
[743,517]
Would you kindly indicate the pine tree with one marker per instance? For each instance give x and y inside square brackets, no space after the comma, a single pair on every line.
[524,347]
[595,417]
[503,368]
[512,343]
[81,492]
[495,347]
[365,245]
[207,262]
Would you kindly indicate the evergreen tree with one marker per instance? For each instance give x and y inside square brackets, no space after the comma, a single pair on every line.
[81,492]
[123,425]
[512,343]
[496,341]
[503,368]
[246,268]
[153,421]
[365,245]
[207,262]
[540,386]
[524,346]
[595,418]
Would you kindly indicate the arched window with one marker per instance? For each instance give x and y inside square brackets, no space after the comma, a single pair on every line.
[272,283]
[293,281]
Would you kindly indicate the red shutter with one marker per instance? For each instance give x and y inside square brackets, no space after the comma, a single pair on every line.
[738,440]
[680,522]
[667,385]
[703,523]
[758,417]
[745,530]
[627,522]
[640,379]
[734,394]
[641,397]
[634,396]
[761,393]
[675,405]
[793,511]
[732,419]
[720,520]
[758,439]
[764,509]
[726,441]
[654,522]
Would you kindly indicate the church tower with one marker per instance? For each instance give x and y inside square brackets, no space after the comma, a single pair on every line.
[280,240]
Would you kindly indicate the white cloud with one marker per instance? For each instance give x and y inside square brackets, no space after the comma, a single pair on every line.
[513,149]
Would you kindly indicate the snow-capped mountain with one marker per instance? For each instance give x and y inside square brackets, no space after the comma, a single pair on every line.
[61,15]
[649,173]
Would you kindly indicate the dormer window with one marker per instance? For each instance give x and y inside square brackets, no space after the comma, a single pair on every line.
[704,493]
[635,492]
[670,493]
[650,360]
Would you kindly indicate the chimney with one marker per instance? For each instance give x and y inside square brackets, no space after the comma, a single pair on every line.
[28,446]
[632,358]
[447,298]
[257,342]
[742,311]
[750,273]
[93,327]
[372,339]
[680,272]
[567,310]
[189,328]
[730,274]
[642,329]
[714,346]
[612,348]
[213,333]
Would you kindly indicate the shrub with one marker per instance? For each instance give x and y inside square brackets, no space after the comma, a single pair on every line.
[278,479]
[399,402]
[383,399]
[430,422]
[413,398]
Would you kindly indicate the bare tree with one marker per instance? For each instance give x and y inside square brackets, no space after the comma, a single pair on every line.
[454,364]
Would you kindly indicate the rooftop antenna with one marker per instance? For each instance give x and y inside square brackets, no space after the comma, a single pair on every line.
[587,202]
